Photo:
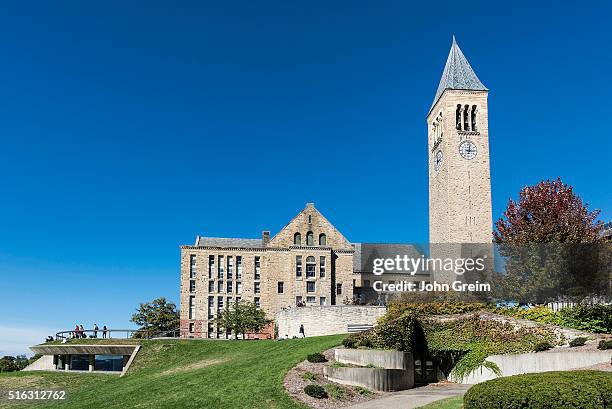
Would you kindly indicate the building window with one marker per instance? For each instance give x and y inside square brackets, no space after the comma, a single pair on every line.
[211,286]
[192,307]
[466,120]
[310,267]
[191,327]
[474,118]
[339,289]
[322,267]
[219,304]
[211,307]
[309,219]
[211,267]
[192,286]
[238,299]
[297,239]
[230,287]
[230,267]
[310,238]
[220,286]
[458,117]
[256,300]
[366,283]
[238,288]
[192,266]
[322,239]
[281,286]
[298,301]
[322,301]
[298,266]
[310,287]
[311,300]
[257,268]
[238,267]
[220,275]
[257,288]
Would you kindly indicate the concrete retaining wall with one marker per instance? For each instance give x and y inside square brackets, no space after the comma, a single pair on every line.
[533,362]
[382,359]
[325,320]
[44,363]
[377,379]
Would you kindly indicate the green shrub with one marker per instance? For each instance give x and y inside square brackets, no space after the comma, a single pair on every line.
[542,346]
[362,391]
[316,391]
[350,341]
[309,376]
[605,344]
[316,358]
[337,364]
[436,308]
[578,342]
[548,390]
[590,318]
[371,366]
[334,391]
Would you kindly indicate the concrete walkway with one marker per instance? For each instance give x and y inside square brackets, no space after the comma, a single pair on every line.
[414,398]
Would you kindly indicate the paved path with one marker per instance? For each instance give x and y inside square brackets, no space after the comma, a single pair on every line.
[414,398]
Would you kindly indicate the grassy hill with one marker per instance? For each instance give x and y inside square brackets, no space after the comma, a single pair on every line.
[183,374]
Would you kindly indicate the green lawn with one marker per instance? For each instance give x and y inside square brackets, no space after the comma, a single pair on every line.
[184,374]
[450,403]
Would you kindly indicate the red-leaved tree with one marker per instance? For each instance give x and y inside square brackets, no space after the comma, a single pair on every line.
[552,247]
[549,212]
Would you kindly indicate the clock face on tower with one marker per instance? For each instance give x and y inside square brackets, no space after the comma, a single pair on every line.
[468,150]
[438,160]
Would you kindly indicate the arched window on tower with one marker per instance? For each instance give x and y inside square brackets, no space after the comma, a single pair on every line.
[322,239]
[466,119]
[458,117]
[309,239]
[474,109]
[297,239]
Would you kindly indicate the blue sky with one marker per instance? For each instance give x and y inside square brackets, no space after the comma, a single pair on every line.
[127,129]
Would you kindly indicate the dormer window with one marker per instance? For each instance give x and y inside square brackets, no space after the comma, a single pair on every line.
[297,239]
[309,239]
[322,239]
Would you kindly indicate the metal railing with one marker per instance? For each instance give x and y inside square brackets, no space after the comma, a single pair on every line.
[116,334]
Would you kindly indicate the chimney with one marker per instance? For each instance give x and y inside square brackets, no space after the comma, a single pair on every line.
[265,237]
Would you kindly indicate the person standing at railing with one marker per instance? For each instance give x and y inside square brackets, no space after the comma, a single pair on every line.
[76,331]
[104,331]
[82,332]
[95,334]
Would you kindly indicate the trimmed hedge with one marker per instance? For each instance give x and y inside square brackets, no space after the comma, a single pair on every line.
[605,344]
[543,346]
[316,391]
[316,358]
[547,390]
[578,342]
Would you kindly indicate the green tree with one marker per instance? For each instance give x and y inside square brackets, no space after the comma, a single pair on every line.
[7,364]
[242,317]
[158,315]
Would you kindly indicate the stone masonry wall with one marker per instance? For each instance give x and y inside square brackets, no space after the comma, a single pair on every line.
[327,320]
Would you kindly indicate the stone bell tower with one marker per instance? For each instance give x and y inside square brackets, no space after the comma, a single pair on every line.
[459,171]
[458,145]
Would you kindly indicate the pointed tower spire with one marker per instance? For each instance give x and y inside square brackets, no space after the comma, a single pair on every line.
[457,74]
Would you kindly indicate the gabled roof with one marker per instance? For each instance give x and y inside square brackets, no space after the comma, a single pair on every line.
[457,74]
